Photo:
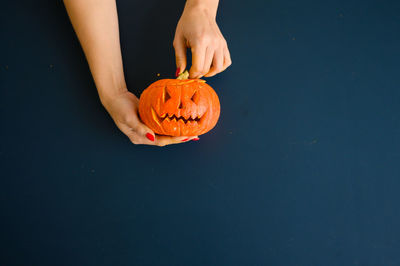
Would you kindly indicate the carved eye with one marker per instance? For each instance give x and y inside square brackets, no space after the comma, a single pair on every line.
[167,96]
[195,97]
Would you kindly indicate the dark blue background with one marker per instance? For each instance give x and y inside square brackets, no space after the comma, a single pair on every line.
[302,168]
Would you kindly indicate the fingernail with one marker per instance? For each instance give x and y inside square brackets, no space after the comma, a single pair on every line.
[185,139]
[195,139]
[150,136]
[178,70]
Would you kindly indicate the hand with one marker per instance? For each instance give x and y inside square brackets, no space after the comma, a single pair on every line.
[198,30]
[123,109]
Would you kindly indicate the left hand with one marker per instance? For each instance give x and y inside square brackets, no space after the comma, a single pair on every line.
[198,30]
[123,108]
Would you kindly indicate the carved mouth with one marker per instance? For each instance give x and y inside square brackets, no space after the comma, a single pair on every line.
[172,117]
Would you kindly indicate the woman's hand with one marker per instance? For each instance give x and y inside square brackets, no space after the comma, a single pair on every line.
[96,25]
[198,30]
[123,109]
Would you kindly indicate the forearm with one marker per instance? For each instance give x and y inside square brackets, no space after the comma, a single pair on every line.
[96,25]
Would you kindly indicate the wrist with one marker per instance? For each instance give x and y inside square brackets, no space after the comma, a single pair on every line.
[109,83]
[208,6]
[108,93]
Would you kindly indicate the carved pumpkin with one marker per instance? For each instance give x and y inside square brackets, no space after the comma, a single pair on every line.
[178,107]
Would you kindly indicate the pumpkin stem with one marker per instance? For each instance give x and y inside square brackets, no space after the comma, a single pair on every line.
[184,75]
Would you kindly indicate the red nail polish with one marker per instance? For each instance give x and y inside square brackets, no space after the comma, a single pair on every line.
[195,139]
[185,139]
[150,136]
[177,72]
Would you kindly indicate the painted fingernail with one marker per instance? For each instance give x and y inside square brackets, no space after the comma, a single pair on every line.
[150,136]
[195,139]
[185,139]
[178,70]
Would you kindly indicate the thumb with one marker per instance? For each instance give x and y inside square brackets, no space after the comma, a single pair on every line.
[180,54]
[141,129]
[146,132]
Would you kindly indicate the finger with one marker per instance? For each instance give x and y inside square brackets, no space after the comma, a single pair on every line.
[217,64]
[208,60]
[227,59]
[133,124]
[180,54]
[198,55]
[135,137]
[142,130]
[167,140]
[131,134]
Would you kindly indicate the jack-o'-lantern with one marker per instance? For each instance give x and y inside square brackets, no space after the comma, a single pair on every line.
[179,107]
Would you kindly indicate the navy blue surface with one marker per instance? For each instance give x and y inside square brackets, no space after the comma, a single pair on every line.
[302,168]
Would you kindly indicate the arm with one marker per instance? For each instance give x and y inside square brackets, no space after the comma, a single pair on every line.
[197,29]
[96,25]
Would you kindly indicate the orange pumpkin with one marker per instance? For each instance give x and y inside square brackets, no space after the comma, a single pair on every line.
[179,107]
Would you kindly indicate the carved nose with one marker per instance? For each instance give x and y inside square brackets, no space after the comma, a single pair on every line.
[180,106]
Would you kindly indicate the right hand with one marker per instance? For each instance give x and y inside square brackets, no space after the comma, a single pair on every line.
[197,29]
[123,109]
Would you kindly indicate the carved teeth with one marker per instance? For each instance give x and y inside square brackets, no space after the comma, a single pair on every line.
[189,119]
[201,118]
[180,121]
[186,116]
